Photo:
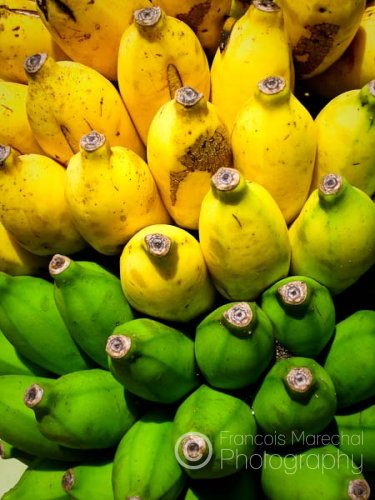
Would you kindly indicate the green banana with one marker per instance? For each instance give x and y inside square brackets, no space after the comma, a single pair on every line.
[91,302]
[351,357]
[213,434]
[302,312]
[292,394]
[85,409]
[143,351]
[13,363]
[41,480]
[323,244]
[89,480]
[31,322]
[234,345]
[145,467]
[18,426]
[321,472]
[8,451]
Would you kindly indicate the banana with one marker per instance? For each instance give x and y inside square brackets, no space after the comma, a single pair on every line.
[206,19]
[18,426]
[91,302]
[187,143]
[248,56]
[15,260]
[86,409]
[22,33]
[31,321]
[323,244]
[66,100]
[243,236]
[89,33]
[145,466]
[14,125]
[320,33]
[291,395]
[234,345]
[8,451]
[34,209]
[143,350]
[238,8]
[89,480]
[213,434]
[279,157]
[41,480]
[346,138]
[122,197]
[354,68]
[303,315]
[318,472]
[164,275]
[157,55]
[353,375]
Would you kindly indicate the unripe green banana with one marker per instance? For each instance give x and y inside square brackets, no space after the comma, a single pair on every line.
[356,436]
[31,321]
[213,433]
[243,236]
[323,244]
[303,314]
[234,345]
[13,363]
[89,480]
[320,472]
[293,393]
[91,302]
[145,466]
[18,426]
[143,351]
[41,481]
[8,451]
[351,357]
[85,409]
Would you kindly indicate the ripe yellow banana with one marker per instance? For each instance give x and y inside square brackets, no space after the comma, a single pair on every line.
[14,126]
[66,100]
[320,31]
[187,143]
[111,194]
[89,32]
[205,18]
[274,144]
[346,138]
[22,33]
[158,54]
[257,47]
[33,206]
[355,67]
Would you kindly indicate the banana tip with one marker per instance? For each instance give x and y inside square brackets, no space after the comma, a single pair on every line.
[33,63]
[4,153]
[226,179]
[300,380]
[118,346]
[68,480]
[293,293]
[33,395]
[58,264]
[240,315]
[359,489]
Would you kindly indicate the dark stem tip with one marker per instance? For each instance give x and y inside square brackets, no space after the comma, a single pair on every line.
[359,489]
[293,293]
[33,395]
[58,264]
[188,97]
[4,153]
[266,5]
[118,346]
[240,315]
[158,244]
[148,16]
[226,179]
[92,141]
[300,380]
[330,184]
[68,480]
[272,85]
[33,63]
[194,447]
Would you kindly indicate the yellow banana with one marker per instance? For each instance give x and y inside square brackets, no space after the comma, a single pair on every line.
[243,236]
[257,47]
[111,194]
[89,32]
[22,33]
[205,18]
[66,100]
[274,144]
[33,206]
[158,54]
[355,67]
[187,143]
[14,126]
[320,32]
[163,274]
[346,138]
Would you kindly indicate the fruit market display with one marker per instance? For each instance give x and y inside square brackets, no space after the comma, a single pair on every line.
[187,249]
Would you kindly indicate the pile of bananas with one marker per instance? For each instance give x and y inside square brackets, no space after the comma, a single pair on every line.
[187,249]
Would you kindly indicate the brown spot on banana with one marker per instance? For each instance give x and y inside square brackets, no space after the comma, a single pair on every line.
[310,51]
[42,4]
[65,9]
[66,133]
[174,80]
[195,16]
[5,11]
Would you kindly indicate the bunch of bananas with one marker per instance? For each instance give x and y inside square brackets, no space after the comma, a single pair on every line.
[187,249]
